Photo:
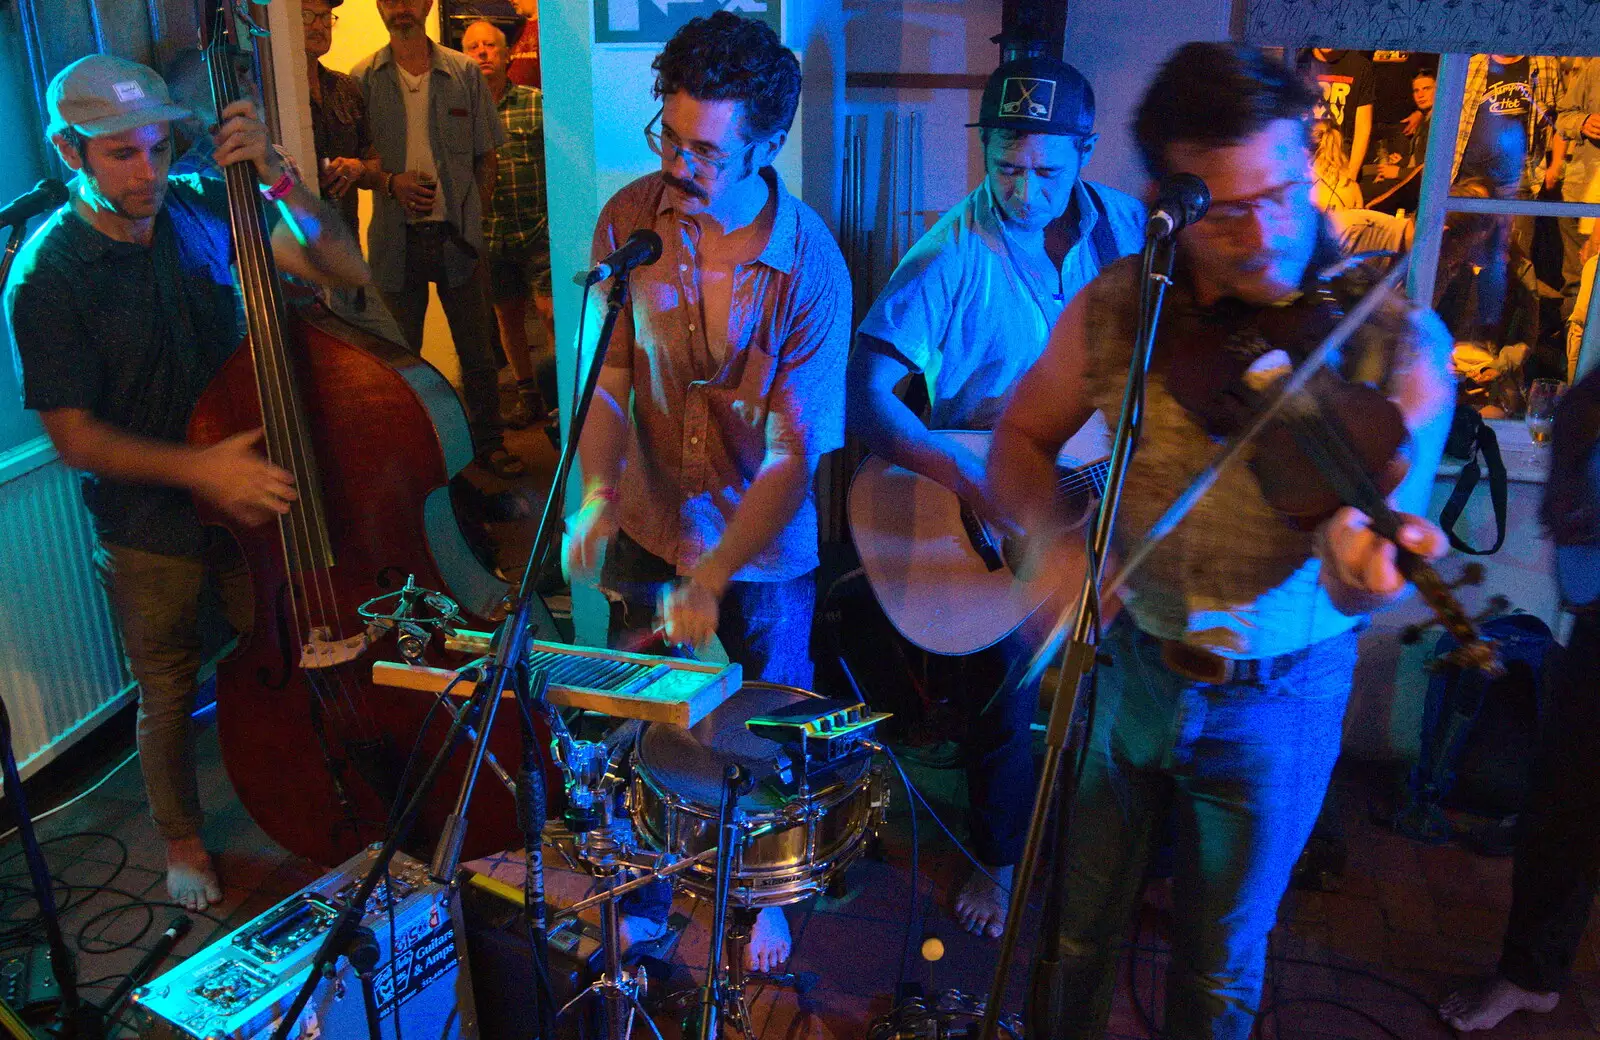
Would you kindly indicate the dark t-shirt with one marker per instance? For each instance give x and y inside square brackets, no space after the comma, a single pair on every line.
[132,334]
[1392,73]
[1346,84]
[524,68]
[339,129]
[1498,145]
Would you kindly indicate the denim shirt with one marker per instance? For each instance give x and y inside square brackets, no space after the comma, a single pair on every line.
[462,127]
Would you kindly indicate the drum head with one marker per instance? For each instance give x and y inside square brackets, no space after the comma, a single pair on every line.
[690,762]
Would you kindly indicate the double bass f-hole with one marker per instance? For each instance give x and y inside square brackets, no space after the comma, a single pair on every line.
[288,643]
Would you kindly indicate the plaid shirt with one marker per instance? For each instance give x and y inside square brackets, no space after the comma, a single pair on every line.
[1544,75]
[517,215]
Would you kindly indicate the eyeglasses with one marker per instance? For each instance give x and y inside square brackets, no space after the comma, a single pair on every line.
[1231,213]
[663,144]
[310,18]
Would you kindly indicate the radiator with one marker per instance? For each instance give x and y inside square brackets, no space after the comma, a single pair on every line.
[61,667]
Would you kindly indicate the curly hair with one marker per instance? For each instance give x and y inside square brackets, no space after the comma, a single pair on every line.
[724,57]
[1216,94]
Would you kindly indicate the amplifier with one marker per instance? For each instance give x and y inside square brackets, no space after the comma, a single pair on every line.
[239,987]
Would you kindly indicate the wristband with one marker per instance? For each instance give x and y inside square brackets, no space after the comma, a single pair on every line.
[606,494]
[284,185]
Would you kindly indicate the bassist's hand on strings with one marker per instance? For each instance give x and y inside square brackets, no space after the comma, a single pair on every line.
[1359,565]
[236,478]
[241,136]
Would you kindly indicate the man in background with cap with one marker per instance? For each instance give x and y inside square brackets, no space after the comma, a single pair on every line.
[968,310]
[123,307]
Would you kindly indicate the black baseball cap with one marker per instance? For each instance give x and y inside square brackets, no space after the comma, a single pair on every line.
[1037,96]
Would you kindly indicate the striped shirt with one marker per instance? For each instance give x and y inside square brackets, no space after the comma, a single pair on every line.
[517,216]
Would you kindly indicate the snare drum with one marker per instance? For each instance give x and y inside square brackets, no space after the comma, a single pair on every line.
[792,845]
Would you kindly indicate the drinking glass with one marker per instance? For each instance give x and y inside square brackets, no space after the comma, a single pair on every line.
[1541,414]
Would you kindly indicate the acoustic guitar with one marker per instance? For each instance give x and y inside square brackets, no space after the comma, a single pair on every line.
[944,577]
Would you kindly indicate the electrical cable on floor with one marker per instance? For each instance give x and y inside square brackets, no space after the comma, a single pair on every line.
[1270,1008]
[916,886]
[80,796]
[906,780]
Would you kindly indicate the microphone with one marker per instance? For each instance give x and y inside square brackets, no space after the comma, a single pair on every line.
[642,249]
[46,195]
[1181,200]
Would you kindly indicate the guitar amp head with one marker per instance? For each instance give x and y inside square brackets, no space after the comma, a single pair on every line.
[241,985]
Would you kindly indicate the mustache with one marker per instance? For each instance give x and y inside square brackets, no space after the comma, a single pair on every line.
[689,188]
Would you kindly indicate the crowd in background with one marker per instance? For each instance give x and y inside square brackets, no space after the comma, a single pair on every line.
[1512,290]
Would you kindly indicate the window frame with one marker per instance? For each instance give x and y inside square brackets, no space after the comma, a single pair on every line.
[1435,202]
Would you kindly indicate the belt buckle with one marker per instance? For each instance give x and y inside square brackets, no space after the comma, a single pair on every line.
[1194,663]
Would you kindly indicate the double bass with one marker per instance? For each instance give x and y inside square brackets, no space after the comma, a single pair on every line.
[372,435]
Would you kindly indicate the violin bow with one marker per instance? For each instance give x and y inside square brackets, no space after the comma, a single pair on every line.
[1289,389]
[1334,458]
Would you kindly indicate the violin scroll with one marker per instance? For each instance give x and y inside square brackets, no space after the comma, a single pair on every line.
[1473,651]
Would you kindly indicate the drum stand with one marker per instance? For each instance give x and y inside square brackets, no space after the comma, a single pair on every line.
[731,979]
[722,996]
[618,989]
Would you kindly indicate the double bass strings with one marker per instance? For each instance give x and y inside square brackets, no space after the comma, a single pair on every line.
[281,417]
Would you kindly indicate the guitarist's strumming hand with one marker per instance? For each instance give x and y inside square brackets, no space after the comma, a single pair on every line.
[1055,558]
[969,481]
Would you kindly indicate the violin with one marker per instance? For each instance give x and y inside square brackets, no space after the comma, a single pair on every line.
[1338,442]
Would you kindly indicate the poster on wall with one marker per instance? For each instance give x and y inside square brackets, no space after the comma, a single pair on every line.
[654,21]
[1443,26]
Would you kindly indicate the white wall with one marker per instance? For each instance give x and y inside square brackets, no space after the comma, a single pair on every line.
[1118,47]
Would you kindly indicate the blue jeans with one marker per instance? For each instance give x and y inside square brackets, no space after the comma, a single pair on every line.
[765,626]
[996,745]
[1240,770]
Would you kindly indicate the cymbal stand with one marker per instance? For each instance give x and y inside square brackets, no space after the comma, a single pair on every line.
[716,993]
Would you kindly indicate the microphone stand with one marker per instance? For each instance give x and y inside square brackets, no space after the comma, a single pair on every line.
[1046,996]
[509,651]
[734,782]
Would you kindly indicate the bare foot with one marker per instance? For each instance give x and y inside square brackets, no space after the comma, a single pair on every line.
[1485,1004]
[191,875]
[769,941]
[981,905]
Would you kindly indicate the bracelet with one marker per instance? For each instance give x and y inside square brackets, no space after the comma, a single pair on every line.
[607,494]
[388,185]
[284,185]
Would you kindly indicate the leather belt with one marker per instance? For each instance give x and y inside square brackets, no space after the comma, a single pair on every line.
[1198,664]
